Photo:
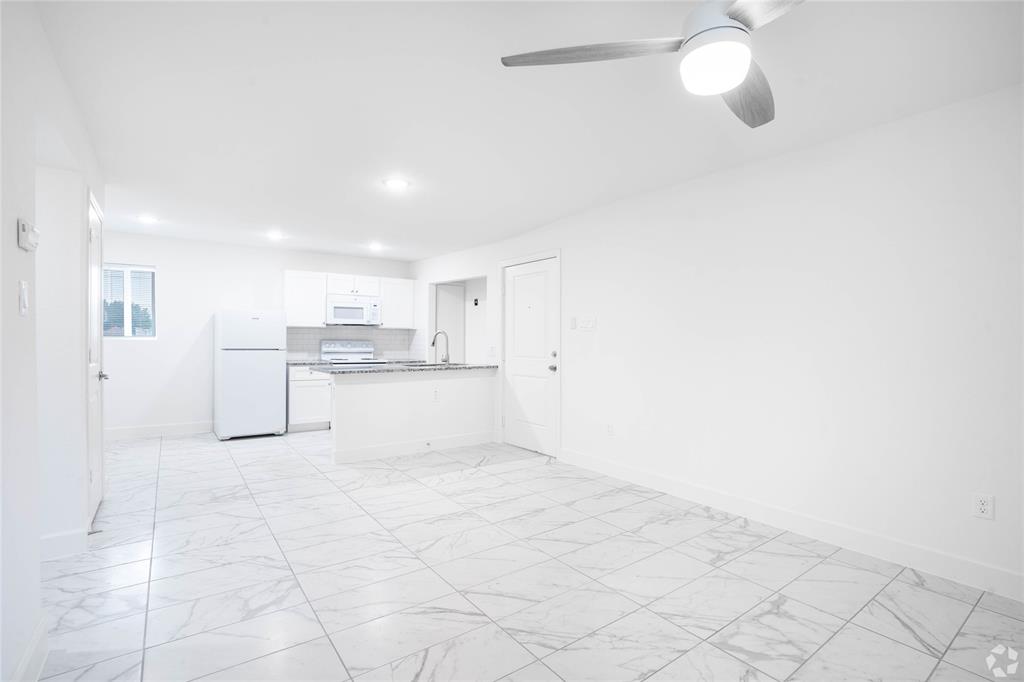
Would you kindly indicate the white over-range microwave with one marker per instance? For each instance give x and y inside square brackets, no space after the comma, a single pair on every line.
[349,309]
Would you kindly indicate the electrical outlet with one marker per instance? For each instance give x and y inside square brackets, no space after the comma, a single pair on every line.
[985,506]
[611,430]
[437,395]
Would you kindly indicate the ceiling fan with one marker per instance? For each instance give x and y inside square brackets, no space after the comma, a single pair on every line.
[716,54]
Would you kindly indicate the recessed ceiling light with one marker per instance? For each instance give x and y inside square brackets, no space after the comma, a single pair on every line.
[147,219]
[375,246]
[275,235]
[396,184]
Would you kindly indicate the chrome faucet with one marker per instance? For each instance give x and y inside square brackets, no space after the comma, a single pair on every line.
[433,344]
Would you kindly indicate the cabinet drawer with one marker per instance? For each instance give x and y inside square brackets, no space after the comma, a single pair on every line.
[303,373]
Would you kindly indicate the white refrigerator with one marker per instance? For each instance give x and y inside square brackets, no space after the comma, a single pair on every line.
[250,373]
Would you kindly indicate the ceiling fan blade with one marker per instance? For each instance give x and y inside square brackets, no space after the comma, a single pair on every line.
[752,100]
[756,13]
[595,53]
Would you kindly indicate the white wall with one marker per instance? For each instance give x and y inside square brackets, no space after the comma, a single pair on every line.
[40,126]
[830,340]
[450,317]
[62,360]
[165,385]
[476,322]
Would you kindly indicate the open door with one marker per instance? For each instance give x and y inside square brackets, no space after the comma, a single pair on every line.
[96,376]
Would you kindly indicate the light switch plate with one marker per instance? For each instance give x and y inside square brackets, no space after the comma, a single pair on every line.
[28,235]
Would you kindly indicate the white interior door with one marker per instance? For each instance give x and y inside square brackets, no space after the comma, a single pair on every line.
[532,386]
[96,376]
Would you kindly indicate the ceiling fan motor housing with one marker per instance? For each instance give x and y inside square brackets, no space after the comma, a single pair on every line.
[709,16]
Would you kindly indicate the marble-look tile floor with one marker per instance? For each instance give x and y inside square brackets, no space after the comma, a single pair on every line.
[261,559]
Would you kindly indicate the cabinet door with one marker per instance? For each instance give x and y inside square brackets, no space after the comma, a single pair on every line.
[367,286]
[309,402]
[305,298]
[397,303]
[341,284]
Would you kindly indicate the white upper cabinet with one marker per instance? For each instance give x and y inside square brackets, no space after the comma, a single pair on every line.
[340,284]
[397,303]
[367,286]
[361,285]
[305,298]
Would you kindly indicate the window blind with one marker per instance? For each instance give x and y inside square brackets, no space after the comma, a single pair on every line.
[113,302]
[143,311]
[129,301]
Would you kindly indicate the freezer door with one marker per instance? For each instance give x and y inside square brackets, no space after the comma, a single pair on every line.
[250,388]
[250,329]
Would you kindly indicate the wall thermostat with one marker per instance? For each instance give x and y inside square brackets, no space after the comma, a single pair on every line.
[28,235]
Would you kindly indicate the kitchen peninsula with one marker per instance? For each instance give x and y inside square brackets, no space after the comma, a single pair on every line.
[402,408]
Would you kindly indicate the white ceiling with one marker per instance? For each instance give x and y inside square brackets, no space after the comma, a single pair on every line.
[228,119]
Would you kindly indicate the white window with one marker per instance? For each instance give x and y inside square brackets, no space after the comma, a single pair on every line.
[129,301]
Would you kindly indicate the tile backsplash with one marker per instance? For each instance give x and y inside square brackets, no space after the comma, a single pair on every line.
[389,344]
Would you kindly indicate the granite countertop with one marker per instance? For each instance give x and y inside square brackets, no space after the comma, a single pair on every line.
[395,367]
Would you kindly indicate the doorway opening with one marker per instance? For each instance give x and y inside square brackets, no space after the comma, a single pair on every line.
[459,309]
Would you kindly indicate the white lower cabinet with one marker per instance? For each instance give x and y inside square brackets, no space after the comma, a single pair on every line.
[310,397]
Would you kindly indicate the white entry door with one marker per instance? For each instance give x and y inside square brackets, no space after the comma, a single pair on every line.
[532,385]
[96,376]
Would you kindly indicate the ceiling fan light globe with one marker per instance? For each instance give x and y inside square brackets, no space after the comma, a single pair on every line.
[715,61]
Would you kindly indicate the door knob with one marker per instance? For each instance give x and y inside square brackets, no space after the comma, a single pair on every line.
[553,368]
[103,376]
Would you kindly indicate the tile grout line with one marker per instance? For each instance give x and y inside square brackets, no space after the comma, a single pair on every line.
[771,595]
[299,453]
[441,578]
[662,548]
[958,631]
[205,631]
[590,580]
[149,576]
[558,558]
[90,665]
[848,621]
[290,567]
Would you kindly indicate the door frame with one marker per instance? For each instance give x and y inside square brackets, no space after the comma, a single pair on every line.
[93,307]
[504,265]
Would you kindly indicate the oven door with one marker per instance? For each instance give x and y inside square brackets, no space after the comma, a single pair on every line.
[346,310]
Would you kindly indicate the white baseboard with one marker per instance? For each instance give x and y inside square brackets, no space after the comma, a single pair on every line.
[154,430]
[413,446]
[30,667]
[54,545]
[961,569]
[311,426]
